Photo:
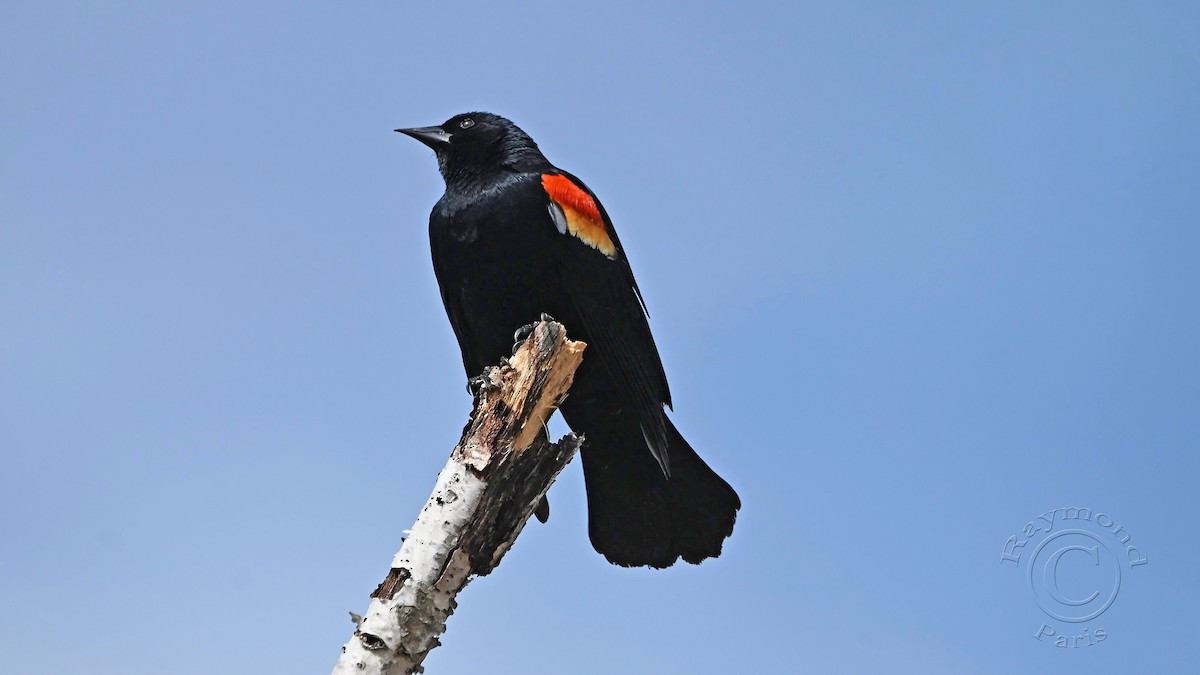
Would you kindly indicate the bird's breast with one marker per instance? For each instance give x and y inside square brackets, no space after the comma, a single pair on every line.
[511,225]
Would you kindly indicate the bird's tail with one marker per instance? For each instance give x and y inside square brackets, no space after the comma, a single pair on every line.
[636,515]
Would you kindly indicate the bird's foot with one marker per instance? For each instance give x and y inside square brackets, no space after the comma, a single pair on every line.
[480,382]
[522,334]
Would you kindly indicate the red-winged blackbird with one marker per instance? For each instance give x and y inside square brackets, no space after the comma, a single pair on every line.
[515,237]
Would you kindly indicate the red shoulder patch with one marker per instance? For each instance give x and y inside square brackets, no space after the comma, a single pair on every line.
[583,216]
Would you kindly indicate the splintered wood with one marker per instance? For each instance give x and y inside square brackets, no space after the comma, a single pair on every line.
[497,474]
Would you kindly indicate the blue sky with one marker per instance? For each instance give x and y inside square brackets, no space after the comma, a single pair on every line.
[919,273]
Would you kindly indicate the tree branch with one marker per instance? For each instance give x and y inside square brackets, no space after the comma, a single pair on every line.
[497,474]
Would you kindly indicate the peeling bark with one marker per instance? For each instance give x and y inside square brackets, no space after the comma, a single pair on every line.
[497,474]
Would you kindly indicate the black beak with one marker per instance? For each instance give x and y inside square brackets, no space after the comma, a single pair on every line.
[434,137]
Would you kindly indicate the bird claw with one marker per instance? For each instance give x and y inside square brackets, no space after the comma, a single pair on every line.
[475,384]
[479,383]
[522,334]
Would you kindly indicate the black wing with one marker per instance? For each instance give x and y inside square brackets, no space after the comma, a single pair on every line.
[609,305]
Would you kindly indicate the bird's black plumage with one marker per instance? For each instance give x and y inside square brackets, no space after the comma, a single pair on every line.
[514,237]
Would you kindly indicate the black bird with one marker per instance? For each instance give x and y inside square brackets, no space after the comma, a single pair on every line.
[515,237]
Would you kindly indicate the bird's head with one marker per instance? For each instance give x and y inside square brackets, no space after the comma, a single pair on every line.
[473,145]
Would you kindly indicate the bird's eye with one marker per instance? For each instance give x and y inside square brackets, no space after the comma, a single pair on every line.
[466,124]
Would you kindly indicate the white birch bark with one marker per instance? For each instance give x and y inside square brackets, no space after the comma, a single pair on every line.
[498,472]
